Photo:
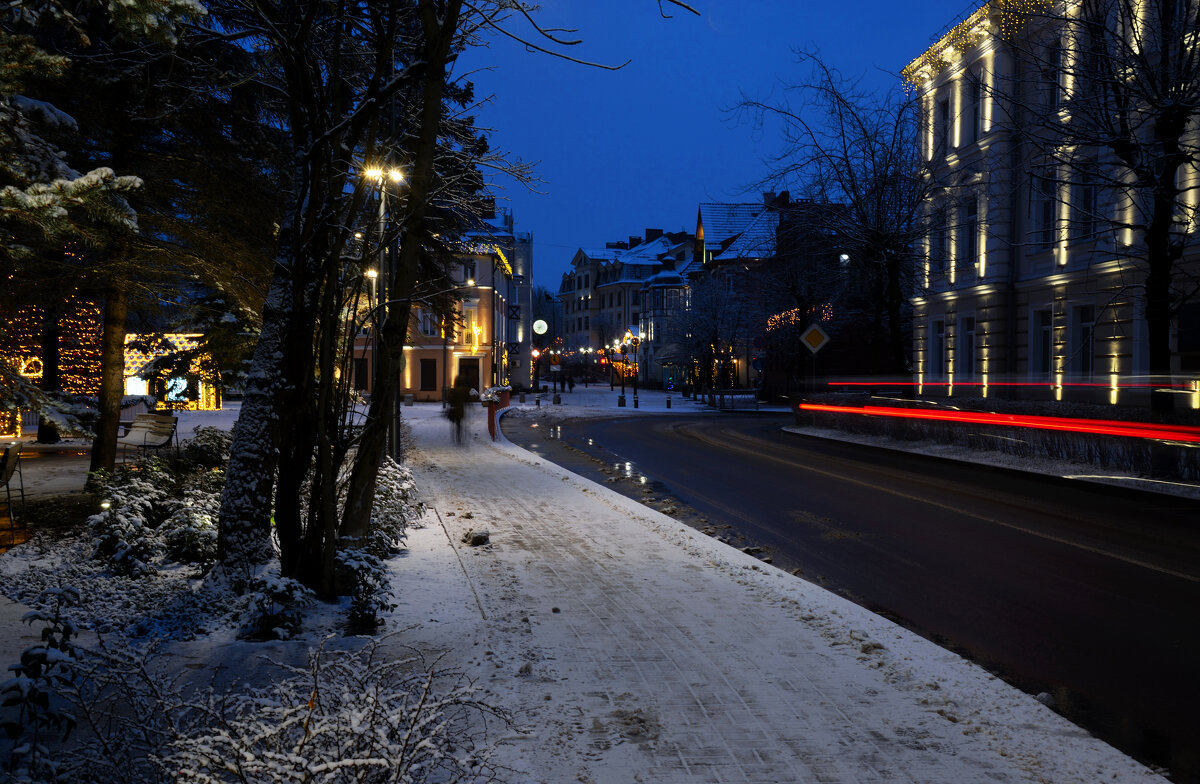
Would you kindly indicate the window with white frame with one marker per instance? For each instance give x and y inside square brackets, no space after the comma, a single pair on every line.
[937,348]
[1041,343]
[938,247]
[943,140]
[974,112]
[964,348]
[1042,207]
[967,258]
[428,323]
[471,322]
[1085,203]
[1083,341]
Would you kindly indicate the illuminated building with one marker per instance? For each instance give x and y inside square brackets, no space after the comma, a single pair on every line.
[1026,281]
[194,390]
[487,340]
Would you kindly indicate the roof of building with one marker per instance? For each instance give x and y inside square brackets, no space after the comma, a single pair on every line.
[757,239]
[722,222]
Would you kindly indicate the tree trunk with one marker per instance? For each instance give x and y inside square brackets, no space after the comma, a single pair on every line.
[112,376]
[244,522]
[439,33]
[51,368]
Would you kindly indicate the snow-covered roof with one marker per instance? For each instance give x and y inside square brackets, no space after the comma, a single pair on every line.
[721,222]
[756,241]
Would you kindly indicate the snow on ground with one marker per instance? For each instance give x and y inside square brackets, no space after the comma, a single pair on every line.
[629,647]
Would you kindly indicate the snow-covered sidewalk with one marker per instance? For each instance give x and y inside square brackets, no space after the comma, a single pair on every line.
[632,648]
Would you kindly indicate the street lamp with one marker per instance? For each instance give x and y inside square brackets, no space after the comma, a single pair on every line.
[372,274]
[624,349]
[381,177]
[634,342]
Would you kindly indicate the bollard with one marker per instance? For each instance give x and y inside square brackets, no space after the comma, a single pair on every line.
[635,401]
[408,400]
[668,401]
[522,397]
[537,401]
[557,399]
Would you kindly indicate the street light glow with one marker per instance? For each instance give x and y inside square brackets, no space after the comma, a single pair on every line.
[372,273]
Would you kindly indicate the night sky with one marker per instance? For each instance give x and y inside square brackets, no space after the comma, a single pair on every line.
[641,147]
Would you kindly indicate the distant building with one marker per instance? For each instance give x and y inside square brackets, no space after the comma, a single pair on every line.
[487,340]
[603,298]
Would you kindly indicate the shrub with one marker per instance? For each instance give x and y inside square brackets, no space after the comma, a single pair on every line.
[275,605]
[209,447]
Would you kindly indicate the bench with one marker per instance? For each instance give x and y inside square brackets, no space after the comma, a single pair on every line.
[722,399]
[150,431]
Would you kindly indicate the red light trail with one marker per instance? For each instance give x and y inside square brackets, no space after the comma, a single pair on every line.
[1106,427]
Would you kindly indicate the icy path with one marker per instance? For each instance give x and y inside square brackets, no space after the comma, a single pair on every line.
[634,649]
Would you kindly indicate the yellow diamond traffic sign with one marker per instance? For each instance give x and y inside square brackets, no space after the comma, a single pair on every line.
[814,337]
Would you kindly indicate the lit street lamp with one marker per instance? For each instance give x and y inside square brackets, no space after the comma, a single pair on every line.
[624,349]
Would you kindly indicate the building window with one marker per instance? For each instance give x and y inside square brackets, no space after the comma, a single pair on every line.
[964,360]
[429,378]
[968,236]
[1042,205]
[1041,343]
[1053,76]
[974,107]
[468,271]
[941,138]
[618,299]
[1085,197]
[428,323]
[1083,341]
[937,349]
[470,322]
[1187,339]
[361,380]
[937,240]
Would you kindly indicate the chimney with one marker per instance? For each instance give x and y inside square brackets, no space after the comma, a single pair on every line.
[768,198]
[634,241]
[653,234]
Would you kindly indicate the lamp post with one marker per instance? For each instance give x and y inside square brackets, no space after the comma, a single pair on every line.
[381,177]
[624,349]
[634,342]
[372,274]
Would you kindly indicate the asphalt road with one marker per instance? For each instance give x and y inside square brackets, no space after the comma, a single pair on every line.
[1089,594]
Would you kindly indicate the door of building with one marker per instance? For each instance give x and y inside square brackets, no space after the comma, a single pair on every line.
[468,369]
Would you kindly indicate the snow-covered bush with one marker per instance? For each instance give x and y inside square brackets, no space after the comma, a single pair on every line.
[209,447]
[370,587]
[136,501]
[395,508]
[275,608]
[362,564]
[30,715]
[364,717]
[190,535]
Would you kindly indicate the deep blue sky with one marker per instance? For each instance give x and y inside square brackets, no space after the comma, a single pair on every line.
[641,147]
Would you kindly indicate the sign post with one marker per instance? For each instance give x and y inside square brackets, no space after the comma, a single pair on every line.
[815,338]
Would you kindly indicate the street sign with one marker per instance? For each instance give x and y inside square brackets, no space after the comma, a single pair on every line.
[815,338]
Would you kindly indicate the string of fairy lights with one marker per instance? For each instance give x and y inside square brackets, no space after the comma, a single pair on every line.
[80,330]
[1003,18]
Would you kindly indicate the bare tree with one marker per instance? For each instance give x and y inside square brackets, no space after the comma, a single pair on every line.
[845,145]
[1105,94]
[359,84]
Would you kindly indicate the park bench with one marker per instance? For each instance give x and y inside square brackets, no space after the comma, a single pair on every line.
[723,399]
[149,431]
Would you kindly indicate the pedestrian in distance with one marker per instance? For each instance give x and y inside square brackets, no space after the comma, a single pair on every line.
[570,383]
[457,410]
